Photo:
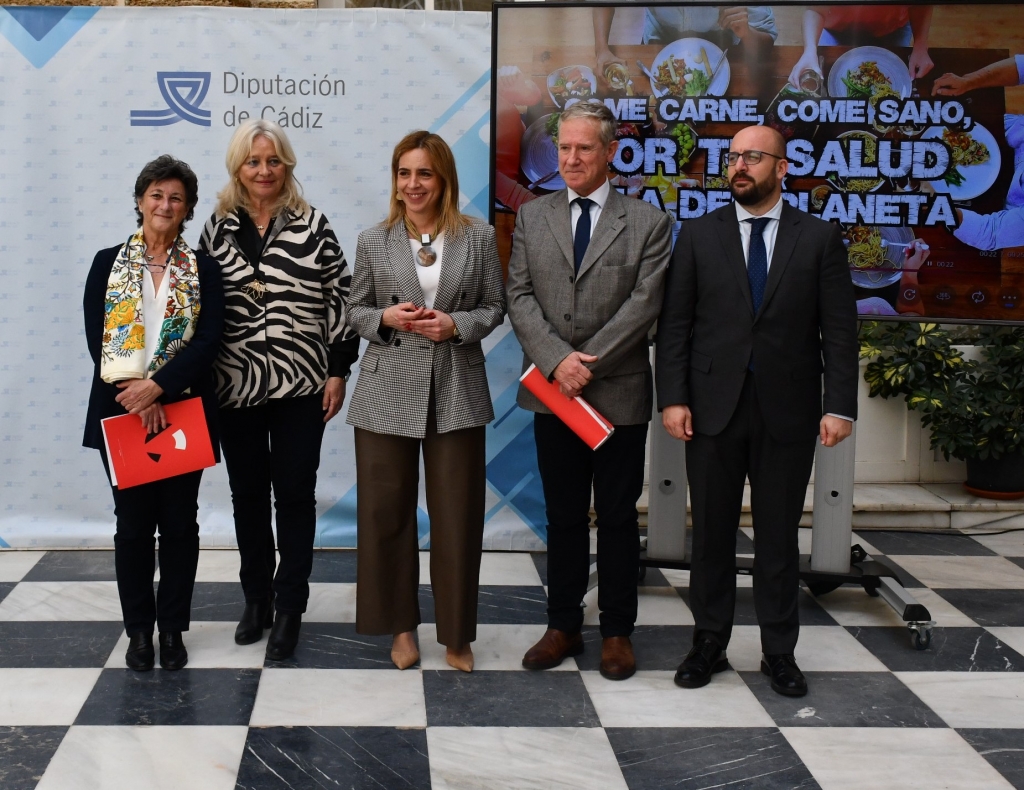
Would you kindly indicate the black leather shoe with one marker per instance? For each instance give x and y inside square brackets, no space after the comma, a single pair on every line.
[173,654]
[284,635]
[255,618]
[786,676]
[139,655]
[704,659]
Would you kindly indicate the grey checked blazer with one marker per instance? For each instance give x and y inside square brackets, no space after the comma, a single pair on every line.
[606,310]
[392,392]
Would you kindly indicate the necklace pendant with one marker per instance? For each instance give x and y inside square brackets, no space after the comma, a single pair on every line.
[255,289]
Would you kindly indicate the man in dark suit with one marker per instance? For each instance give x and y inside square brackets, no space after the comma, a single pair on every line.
[584,288]
[758,306]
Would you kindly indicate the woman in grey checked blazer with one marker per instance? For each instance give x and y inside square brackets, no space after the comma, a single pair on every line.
[426,289]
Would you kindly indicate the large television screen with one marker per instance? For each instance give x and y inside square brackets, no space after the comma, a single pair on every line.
[903,124]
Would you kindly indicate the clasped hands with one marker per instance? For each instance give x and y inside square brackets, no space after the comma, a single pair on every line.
[139,396]
[572,374]
[407,317]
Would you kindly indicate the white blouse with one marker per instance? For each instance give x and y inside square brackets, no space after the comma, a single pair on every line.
[154,305]
[429,276]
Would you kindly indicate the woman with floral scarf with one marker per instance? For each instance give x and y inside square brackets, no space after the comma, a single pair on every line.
[154,313]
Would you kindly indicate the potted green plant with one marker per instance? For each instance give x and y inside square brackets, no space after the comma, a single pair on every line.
[974,407]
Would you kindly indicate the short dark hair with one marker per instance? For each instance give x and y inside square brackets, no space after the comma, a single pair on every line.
[161,169]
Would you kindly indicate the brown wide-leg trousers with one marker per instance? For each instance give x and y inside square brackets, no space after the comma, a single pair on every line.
[387,478]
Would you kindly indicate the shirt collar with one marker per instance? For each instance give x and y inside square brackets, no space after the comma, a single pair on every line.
[775,212]
[599,195]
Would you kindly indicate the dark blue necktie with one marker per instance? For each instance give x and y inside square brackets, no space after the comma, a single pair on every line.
[757,260]
[582,237]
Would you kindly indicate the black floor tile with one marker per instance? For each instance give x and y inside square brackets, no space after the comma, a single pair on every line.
[217,601]
[540,560]
[338,646]
[903,542]
[1004,750]
[497,605]
[24,754]
[951,650]
[513,699]
[657,647]
[739,758]
[1017,561]
[653,577]
[47,645]
[5,589]
[903,576]
[73,566]
[844,699]
[338,567]
[354,758]
[811,612]
[989,607]
[203,697]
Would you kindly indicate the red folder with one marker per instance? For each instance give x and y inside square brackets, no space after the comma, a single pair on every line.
[138,457]
[585,421]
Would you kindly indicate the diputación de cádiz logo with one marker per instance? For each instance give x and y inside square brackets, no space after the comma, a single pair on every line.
[183,91]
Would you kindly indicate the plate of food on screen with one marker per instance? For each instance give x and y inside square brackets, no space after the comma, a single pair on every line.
[876,253]
[870,73]
[975,161]
[690,67]
[860,147]
[538,154]
[571,84]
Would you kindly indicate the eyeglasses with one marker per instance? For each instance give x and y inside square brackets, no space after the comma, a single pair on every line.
[749,157]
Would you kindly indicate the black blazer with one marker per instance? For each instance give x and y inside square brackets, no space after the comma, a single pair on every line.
[188,370]
[806,327]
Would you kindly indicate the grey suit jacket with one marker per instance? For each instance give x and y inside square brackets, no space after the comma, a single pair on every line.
[392,392]
[607,310]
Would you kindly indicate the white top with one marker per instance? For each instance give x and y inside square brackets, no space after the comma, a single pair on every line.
[429,276]
[599,196]
[771,230]
[154,305]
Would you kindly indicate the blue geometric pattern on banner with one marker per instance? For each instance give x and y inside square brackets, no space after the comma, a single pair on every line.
[514,473]
[336,528]
[460,102]
[472,153]
[183,92]
[40,33]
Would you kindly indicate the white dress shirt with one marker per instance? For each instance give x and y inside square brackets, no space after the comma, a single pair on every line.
[599,196]
[154,305]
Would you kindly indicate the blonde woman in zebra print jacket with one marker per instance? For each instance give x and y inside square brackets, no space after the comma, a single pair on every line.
[281,372]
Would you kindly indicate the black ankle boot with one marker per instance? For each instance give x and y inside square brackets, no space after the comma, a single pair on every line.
[284,635]
[255,618]
[173,654]
[140,652]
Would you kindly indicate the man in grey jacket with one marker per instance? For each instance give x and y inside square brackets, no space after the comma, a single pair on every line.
[585,285]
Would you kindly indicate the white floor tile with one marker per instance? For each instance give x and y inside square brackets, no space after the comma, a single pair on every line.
[651,699]
[942,611]
[219,565]
[37,697]
[884,758]
[15,564]
[966,573]
[62,601]
[655,606]
[821,648]
[682,578]
[496,567]
[522,758]
[210,646]
[330,603]
[1009,544]
[971,699]
[339,698]
[498,647]
[853,606]
[1014,637]
[154,758]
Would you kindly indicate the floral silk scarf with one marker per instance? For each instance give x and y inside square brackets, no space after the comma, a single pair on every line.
[123,353]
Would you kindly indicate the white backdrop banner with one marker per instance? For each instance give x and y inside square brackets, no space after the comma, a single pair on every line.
[88,96]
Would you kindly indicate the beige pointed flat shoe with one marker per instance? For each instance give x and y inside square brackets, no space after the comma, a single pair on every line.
[404,652]
[461,659]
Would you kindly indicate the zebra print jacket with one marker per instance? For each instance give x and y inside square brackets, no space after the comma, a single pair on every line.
[285,338]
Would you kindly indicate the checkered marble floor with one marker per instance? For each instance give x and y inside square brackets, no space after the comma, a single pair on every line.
[338,715]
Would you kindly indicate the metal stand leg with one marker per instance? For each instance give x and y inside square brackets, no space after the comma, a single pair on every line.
[666,503]
[833,506]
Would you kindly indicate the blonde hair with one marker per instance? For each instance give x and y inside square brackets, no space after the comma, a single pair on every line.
[450,221]
[234,196]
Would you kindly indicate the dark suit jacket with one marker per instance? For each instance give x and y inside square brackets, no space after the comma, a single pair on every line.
[606,310]
[186,375]
[807,326]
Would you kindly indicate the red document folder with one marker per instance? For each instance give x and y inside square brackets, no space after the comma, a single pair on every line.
[579,415]
[137,457]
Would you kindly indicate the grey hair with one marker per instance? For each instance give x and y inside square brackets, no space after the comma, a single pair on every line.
[593,111]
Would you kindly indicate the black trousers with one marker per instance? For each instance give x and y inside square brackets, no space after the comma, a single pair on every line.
[569,470]
[716,468]
[171,506]
[274,447]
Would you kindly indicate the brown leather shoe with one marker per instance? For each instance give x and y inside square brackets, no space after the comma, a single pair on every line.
[552,649]
[617,660]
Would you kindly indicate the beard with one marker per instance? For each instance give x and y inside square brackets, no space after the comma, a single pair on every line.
[755,192]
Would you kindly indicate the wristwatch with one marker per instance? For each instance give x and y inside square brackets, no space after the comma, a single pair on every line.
[455,333]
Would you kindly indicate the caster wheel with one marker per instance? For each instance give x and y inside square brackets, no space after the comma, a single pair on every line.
[819,589]
[920,639]
[641,574]
[871,587]
[857,554]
